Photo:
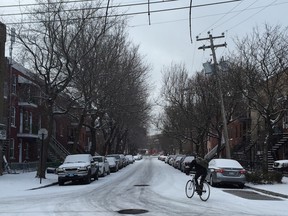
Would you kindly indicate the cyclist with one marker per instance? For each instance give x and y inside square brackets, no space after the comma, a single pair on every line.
[201,166]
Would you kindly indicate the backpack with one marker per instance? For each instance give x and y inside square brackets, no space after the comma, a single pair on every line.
[202,162]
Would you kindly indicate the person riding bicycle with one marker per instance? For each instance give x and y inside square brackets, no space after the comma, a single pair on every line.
[201,166]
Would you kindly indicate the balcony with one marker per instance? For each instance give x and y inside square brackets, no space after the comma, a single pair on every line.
[28,93]
[27,133]
[2,132]
[27,102]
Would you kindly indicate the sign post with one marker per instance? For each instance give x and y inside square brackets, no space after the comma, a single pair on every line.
[42,134]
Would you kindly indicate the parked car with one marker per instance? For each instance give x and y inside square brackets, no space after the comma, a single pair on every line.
[162,157]
[281,165]
[226,171]
[118,158]
[138,157]
[130,158]
[102,164]
[77,167]
[113,165]
[186,163]
[177,161]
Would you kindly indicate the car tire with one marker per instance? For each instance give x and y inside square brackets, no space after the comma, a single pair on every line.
[241,185]
[96,175]
[61,182]
[211,181]
[88,178]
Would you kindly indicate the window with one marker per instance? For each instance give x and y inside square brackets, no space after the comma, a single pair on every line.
[12,146]
[26,120]
[14,82]
[13,115]
[27,151]
[6,90]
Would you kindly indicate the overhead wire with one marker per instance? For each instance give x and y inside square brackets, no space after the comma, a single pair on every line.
[225,14]
[149,12]
[135,4]
[252,15]
[241,11]
[190,21]
[81,1]
[132,13]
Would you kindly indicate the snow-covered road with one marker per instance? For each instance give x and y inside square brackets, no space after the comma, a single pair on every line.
[149,185]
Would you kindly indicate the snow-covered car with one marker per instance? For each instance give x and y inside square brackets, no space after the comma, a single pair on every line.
[130,158]
[226,171]
[119,159]
[186,163]
[113,165]
[77,167]
[138,157]
[102,164]
[280,165]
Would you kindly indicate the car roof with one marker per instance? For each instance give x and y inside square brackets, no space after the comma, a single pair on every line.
[78,157]
[221,162]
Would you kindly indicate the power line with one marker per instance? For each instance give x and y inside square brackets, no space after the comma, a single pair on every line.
[81,1]
[129,5]
[225,22]
[222,17]
[210,15]
[132,13]
[252,15]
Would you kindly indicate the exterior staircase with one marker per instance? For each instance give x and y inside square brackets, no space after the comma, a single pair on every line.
[5,145]
[57,152]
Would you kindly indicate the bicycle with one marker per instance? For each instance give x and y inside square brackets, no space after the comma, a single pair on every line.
[191,188]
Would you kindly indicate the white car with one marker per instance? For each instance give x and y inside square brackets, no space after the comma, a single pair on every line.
[77,167]
[280,165]
[103,165]
[113,165]
[130,158]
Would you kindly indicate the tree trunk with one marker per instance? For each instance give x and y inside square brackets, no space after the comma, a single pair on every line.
[44,146]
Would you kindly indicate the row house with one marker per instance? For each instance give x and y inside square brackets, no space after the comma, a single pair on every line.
[246,137]
[21,116]
[27,117]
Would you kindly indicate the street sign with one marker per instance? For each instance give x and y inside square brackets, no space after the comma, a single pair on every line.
[42,133]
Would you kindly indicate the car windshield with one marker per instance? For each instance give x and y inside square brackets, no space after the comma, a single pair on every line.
[189,158]
[99,159]
[76,159]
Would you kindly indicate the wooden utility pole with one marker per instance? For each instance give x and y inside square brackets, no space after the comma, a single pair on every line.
[212,47]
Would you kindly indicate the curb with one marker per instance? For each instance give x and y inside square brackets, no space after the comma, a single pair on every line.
[44,186]
[268,192]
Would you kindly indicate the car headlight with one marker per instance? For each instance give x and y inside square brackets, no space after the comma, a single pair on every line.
[83,168]
[59,170]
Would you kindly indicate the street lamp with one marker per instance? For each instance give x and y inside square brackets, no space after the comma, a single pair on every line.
[42,135]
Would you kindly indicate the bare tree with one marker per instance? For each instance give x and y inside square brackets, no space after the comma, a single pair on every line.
[53,48]
[261,64]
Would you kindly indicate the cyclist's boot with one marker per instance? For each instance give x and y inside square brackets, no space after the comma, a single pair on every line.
[200,189]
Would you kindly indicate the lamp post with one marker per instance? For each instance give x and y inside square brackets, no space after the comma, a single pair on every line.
[42,135]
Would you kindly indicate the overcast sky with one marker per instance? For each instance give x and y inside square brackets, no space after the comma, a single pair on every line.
[164,37]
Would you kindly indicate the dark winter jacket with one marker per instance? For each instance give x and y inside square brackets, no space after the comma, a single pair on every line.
[200,164]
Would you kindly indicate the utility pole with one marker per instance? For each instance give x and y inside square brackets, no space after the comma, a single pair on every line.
[212,47]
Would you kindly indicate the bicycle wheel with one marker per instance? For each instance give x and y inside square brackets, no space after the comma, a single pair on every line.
[190,188]
[205,192]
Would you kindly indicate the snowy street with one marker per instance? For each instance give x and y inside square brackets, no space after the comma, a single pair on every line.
[148,185]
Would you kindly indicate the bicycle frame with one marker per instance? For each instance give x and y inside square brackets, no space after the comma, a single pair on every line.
[190,189]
